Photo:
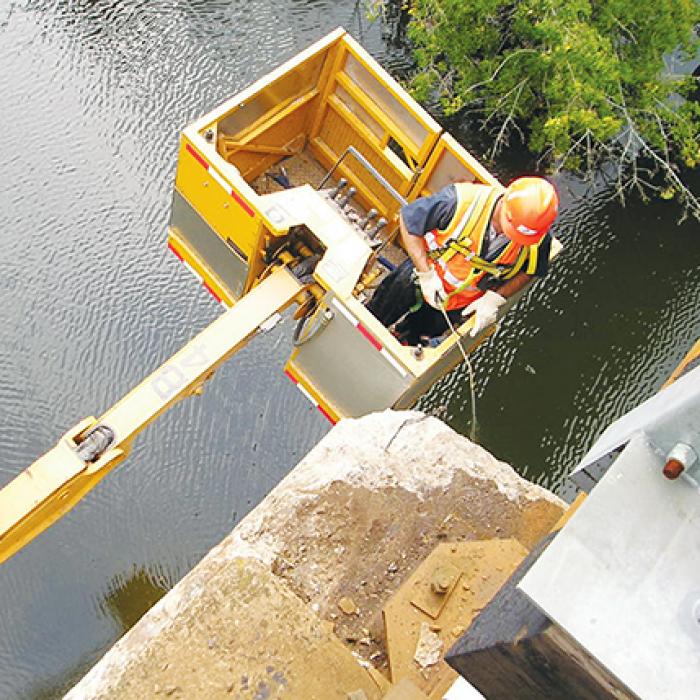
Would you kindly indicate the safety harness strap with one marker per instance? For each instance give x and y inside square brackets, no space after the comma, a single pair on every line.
[503,273]
[446,251]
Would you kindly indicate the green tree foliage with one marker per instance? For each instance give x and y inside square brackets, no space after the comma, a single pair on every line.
[583,82]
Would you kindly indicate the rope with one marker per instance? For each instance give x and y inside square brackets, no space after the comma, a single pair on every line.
[470,369]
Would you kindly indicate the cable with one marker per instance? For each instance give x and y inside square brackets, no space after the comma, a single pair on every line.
[472,394]
[326,316]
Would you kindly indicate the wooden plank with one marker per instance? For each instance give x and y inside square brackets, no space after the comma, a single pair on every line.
[378,115]
[230,147]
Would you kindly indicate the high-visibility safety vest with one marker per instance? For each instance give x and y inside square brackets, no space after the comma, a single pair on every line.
[456,251]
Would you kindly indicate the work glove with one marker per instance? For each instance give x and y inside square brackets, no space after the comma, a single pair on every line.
[431,286]
[485,309]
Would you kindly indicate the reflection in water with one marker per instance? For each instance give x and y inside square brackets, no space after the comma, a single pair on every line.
[123,603]
[128,597]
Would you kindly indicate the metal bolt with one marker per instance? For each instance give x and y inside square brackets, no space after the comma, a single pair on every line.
[342,184]
[371,214]
[680,458]
[673,469]
[379,226]
[344,201]
[440,585]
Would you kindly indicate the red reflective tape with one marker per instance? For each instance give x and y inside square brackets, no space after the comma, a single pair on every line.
[175,251]
[211,291]
[200,159]
[291,376]
[243,204]
[369,336]
[326,414]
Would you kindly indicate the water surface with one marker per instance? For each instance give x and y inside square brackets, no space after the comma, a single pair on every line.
[94,94]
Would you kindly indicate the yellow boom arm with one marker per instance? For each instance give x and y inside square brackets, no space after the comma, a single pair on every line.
[48,489]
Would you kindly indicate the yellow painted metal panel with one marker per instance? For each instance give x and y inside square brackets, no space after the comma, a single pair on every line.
[327,85]
[249,116]
[285,129]
[375,110]
[379,115]
[324,45]
[230,215]
[401,96]
[344,129]
[364,120]
[336,134]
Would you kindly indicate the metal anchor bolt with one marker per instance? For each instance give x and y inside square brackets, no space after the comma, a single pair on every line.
[680,458]
[371,214]
[342,184]
[378,227]
[344,201]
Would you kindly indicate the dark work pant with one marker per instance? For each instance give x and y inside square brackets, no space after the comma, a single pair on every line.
[397,293]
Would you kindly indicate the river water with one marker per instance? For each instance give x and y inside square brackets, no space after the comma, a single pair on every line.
[93,94]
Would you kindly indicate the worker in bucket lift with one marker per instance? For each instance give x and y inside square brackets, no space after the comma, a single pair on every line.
[470,247]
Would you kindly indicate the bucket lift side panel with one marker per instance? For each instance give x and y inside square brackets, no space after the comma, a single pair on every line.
[215,226]
[348,366]
[205,252]
[227,209]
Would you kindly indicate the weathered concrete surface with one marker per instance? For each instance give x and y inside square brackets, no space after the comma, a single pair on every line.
[255,619]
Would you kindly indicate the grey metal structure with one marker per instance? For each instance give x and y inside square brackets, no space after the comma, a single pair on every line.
[623,577]
[668,418]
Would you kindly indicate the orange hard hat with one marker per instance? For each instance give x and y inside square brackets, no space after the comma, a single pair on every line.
[529,207]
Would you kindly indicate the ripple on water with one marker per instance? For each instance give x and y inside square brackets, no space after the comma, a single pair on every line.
[94,96]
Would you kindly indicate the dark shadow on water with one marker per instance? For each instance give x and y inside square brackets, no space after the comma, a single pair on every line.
[60,684]
[129,597]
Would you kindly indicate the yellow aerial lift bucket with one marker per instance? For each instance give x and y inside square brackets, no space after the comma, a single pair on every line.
[288,193]
[309,167]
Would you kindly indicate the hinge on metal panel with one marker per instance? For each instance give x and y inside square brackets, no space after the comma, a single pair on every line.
[270,323]
[95,443]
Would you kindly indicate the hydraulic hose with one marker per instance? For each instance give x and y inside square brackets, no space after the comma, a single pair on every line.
[317,320]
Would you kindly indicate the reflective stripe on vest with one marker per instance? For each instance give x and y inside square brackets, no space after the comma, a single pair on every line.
[455,248]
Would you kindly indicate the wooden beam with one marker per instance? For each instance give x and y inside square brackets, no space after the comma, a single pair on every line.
[512,651]
[230,147]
